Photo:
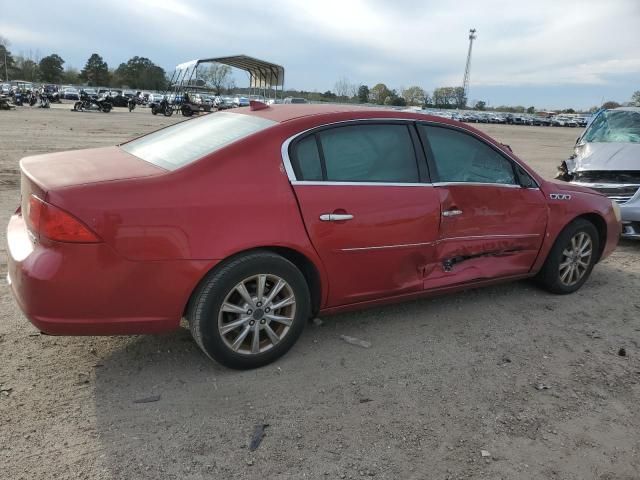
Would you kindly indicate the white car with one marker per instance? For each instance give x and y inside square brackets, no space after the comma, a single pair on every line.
[240,102]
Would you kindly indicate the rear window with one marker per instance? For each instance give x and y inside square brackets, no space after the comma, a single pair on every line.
[178,145]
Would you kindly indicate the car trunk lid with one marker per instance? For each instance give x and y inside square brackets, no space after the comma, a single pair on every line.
[64,169]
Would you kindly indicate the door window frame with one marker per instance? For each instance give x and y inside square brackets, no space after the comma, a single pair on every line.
[426,145]
[288,153]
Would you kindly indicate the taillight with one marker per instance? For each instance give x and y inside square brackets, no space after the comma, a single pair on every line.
[56,224]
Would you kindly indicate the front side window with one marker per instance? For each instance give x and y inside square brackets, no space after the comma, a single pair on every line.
[459,157]
[614,126]
[186,142]
[358,153]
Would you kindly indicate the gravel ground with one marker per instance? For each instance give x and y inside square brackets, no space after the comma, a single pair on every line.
[534,380]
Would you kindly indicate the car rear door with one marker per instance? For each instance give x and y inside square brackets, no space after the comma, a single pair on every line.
[367,205]
[493,215]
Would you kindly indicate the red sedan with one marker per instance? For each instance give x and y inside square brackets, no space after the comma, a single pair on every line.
[249,223]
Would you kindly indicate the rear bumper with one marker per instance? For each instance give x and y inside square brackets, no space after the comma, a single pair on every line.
[88,289]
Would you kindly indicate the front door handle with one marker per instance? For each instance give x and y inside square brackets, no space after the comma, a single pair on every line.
[451,213]
[335,217]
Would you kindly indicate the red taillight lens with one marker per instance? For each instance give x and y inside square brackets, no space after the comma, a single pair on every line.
[56,224]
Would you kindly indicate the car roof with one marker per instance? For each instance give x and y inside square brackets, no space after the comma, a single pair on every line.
[285,112]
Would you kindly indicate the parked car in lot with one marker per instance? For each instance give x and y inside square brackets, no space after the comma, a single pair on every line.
[250,223]
[240,101]
[71,94]
[295,100]
[224,103]
[606,158]
[541,121]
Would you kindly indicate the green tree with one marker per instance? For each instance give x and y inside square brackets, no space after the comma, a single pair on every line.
[7,63]
[414,95]
[531,110]
[460,98]
[26,69]
[142,74]
[480,105]
[379,93]
[96,71]
[610,104]
[635,98]
[363,94]
[51,69]
[70,75]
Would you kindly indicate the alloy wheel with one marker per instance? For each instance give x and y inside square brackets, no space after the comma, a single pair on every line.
[257,314]
[576,259]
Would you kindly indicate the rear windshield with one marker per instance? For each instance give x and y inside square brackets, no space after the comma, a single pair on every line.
[186,142]
[614,126]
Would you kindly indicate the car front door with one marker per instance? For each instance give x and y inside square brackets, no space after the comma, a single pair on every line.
[493,215]
[367,205]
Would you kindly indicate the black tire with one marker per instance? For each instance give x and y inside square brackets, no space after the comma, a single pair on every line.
[154,111]
[549,276]
[205,305]
[168,111]
[106,107]
[186,111]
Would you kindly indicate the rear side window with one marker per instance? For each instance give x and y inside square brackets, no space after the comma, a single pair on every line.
[186,142]
[358,153]
[459,157]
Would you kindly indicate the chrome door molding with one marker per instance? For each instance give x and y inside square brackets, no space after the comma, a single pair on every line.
[437,242]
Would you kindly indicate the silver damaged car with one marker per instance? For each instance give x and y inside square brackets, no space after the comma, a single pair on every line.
[606,158]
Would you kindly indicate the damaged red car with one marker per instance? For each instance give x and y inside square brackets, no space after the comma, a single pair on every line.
[249,223]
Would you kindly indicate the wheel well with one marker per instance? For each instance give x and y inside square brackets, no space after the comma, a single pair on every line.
[306,266]
[601,227]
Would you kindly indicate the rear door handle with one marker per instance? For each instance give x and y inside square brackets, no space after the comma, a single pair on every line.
[451,213]
[335,217]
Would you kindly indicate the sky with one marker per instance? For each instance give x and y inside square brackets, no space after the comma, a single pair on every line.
[546,53]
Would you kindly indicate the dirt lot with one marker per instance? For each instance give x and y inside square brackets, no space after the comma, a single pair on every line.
[443,380]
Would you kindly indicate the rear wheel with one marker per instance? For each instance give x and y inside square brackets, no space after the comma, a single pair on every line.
[571,258]
[250,311]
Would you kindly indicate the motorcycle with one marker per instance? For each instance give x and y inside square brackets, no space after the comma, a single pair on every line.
[164,107]
[44,100]
[87,102]
[131,103]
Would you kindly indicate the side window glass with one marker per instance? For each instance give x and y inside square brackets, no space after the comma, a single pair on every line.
[459,157]
[369,153]
[306,159]
[525,179]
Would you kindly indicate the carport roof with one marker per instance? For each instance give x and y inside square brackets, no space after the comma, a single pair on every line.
[262,74]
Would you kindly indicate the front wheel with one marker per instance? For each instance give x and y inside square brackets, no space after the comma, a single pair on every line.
[571,258]
[250,311]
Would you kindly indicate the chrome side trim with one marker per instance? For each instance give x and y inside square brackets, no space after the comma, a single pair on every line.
[359,184]
[382,247]
[479,184]
[435,243]
[478,237]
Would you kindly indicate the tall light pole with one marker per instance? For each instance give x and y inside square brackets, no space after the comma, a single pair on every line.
[467,70]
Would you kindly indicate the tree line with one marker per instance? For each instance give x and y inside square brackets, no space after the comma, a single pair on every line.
[137,73]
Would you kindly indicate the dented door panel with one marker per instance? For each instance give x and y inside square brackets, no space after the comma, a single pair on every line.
[498,232]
